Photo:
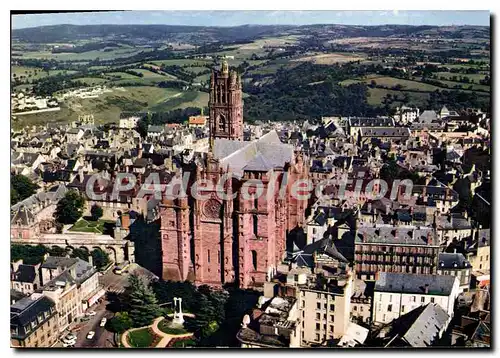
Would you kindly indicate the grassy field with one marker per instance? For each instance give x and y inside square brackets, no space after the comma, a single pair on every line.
[182,100]
[106,108]
[84,56]
[461,85]
[377,95]
[35,72]
[474,77]
[182,62]
[202,78]
[407,84]
[122,75]
[141,338]
[83,225]
[165,327]
[196,69]
[331,58]
[391,82]
[92,81]
[148,74]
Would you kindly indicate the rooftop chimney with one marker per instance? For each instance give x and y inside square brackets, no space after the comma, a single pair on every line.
[125,221]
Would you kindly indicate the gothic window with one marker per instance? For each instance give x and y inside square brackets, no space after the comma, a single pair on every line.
[212,209]
[255,225]
[254,259]
[221,121]
[208,256]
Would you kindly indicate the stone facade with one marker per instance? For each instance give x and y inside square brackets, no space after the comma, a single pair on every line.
[226,105]
[214,241]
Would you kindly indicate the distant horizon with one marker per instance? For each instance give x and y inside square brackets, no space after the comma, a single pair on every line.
[256,18]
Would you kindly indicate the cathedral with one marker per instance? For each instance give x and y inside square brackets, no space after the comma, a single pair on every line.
[214,240]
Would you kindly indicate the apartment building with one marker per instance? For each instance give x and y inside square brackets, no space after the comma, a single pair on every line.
[273,324]
[33,322]
[396,294]
[24,278]
[455,264]
[389,248]
[73,285]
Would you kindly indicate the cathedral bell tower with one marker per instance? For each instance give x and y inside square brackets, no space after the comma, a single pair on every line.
[225,104]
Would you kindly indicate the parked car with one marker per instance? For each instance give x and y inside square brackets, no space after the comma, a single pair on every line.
[90,335]
[71,335]
[103,322]
[90,313]
[69,340]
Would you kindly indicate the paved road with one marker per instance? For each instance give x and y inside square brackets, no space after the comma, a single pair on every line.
[118,283]
[102,338]
[111,283]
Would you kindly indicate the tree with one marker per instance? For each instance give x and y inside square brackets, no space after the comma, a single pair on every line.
[70,208]
[21,187]
[166,291]
[31,255]
[119,323]
[389,171]
[80,253]
[144,306]
[100,258]
[142,127]
[57,251]
[96,212]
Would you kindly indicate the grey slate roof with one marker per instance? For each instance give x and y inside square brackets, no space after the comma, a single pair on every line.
[155,129]
[452,261]
[53,262]
[22,216]
[370,121]
[25,273]
[24,210]
[441,285]
[484,237]
[26,311]
[262,154]
[414,236]
[427,116]
[425,329]
[385,132]
[258,164]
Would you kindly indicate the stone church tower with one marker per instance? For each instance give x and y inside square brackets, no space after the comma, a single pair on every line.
[225,104]
[216,238]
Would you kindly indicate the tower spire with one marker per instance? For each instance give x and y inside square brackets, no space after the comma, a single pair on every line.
[224,67]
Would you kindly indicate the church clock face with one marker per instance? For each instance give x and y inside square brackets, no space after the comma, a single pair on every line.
[212,209]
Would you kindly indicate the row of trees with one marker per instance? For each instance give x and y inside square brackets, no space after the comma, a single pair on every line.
[218,312]
[32,255]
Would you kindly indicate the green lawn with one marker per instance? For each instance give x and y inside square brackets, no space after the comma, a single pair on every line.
[164,326]
[474,77]
[202,78]
[92,81]
[147,73]
[196,69]
[122,75]
[35,73]
[83,225]
[377,94]
[452,84]
[182,61]
[407,84]
[141,338]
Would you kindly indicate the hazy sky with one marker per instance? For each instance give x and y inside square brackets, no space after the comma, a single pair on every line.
[234,18]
